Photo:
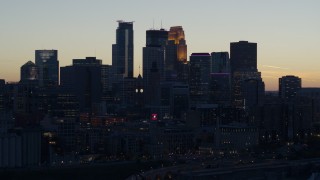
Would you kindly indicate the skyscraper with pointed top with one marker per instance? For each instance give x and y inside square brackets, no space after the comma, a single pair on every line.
[29,72]
[176,55]
[176,34]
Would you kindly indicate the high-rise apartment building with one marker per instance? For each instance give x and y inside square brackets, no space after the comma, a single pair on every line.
[48,64]
[288,87]
[122,51]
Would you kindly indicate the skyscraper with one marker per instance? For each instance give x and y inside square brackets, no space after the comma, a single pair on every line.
[154,53]
[242,81]
[106,74]
[253,92]
[220,62]
[288,87]
[243,56]
[122,51]
[176,68]
[156,38]
[171,61]
[245,76]
[83,79]
[153,89]
[200,68]
[28,72]
[220,78]
[48,64]
[176,34]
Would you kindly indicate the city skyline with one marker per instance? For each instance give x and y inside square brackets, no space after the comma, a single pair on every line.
[286,37]
[159,90]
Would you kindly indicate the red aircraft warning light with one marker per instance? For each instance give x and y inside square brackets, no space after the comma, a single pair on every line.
[154,117]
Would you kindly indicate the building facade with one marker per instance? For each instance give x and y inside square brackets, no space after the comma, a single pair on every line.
[289,87]
[177,35]
[83,78]
[200,69]
[48,64]
[220,62]
[122,51]
[29,72]
[154,55]
[243,56]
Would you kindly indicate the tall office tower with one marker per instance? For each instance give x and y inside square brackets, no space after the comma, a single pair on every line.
[288,87]
[153,91]
[220,78]
[156,38]
[106,74]
[243,60]
[200,68]
[154,52]
[48,64]
[171,61]
[243,56]
[176,34]
[220,62]
[83,78]
[122,51]
[176,68]
[29,72]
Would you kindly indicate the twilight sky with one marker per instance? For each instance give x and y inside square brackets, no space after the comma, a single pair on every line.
[287,31]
